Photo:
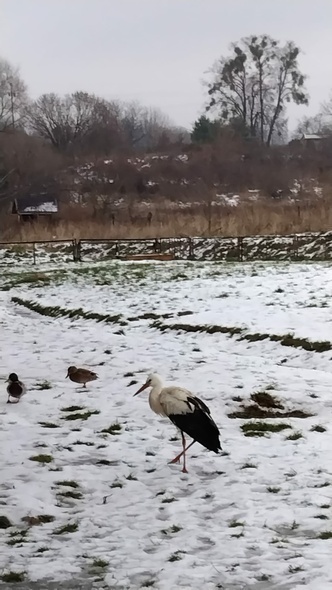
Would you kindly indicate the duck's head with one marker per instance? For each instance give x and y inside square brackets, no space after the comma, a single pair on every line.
[70,371]
[153,380]
[12,378]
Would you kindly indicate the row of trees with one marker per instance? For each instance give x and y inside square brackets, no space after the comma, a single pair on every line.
[246,112]
[80,122]
[247,91]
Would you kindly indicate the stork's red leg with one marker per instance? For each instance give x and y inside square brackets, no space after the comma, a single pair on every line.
[184,469]
[178,457]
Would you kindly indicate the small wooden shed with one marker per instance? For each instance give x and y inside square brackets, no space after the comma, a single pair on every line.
[31,207]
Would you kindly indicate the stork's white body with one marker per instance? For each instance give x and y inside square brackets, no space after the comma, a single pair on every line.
[166,401]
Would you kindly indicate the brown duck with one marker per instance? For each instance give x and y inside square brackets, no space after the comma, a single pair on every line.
[81,375]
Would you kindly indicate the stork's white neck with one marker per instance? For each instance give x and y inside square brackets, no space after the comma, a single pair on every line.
[154,396]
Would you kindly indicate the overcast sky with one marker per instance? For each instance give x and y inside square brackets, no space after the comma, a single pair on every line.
[156,51]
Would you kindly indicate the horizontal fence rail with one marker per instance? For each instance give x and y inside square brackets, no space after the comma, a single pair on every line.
[309,246]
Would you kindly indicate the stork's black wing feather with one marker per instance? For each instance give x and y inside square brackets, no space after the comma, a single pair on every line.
[198,424]
[199,404]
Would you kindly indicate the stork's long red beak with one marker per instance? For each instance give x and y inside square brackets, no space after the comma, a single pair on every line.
[141,389]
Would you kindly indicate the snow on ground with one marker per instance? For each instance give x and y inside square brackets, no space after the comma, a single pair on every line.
[249,519]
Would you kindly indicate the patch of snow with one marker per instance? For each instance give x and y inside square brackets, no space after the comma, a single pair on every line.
[266,497]
[47,207]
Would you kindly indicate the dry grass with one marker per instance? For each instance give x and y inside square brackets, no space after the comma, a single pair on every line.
[261,218]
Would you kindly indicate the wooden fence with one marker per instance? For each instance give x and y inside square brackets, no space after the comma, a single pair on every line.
[311,246]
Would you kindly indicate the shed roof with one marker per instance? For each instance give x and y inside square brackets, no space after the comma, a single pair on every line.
[309,136]
[42,204]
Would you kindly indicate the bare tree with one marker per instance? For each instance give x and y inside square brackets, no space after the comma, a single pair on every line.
[69,122]
[254,84]
[320,124]
[144,127]
[309,125]
[13,96]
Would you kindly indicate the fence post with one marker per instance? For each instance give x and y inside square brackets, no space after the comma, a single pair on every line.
[191,249]
[240,248]
[34,252]
[79,251]
[295,247]
[157,245]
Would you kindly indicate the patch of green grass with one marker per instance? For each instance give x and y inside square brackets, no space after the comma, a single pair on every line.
[81,416]
[249,466]
[325,506]
[67,528]
[148,584]
[17,537]
[196,328]
[73,409]
[263,427]
[266,400]
[100,563]
[295,569]
[325,535]
[71,494]
[325,484]
[131,477]
[254,433]
[172,530]
[168,500]
[113,429]
[68,482]
[116,484]
[263,578]
[235,523]
[83,442]
[57,311]
[104,462]
[13,577]
[177,556]
[254,411]
[48,425]
[321,517]
[39,519]
[318,428]
[42,549]
[42,458]
[295,436]
[43,385]
[283,339]
[273,490]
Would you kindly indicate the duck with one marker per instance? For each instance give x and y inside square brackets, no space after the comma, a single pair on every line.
[79,375]
[15,389]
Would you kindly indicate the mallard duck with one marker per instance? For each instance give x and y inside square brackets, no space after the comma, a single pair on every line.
[81,375]
[15,389]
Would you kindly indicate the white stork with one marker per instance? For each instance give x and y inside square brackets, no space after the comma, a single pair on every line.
[187,412]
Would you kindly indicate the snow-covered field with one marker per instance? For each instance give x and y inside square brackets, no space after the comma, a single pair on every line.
[258,517]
